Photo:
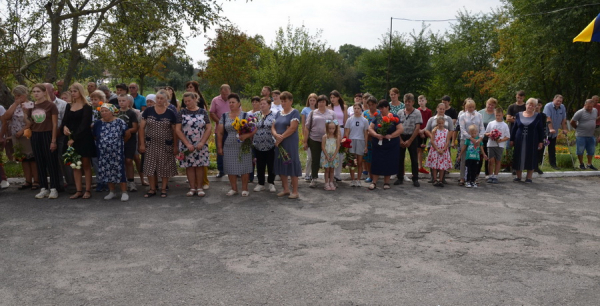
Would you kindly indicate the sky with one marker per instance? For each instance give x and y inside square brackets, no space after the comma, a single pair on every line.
[358,22]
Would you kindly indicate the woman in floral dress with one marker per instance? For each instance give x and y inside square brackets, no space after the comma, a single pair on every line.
[109,133]
[195,127]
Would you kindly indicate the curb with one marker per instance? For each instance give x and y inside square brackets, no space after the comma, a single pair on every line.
[346,176]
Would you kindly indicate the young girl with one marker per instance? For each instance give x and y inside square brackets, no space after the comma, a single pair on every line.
[330,146]
[357,128]
[472,147]
[439,155]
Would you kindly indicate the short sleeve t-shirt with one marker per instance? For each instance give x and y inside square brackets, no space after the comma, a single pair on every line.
[586,122]
[139,101]
[357,127]
[452,113]
[41,116]
[502,127]
[168,115]
[130,117]
[305,112]
[471,152]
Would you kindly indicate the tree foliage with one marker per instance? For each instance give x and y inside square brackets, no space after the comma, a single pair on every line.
[232,56]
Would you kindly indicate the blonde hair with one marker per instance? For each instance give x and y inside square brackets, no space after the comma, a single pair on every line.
[473,127]
[192,95]
[82,93]
[335,133]
[98,94]
[468,102]
[312,95]
[491,101]
[437,120]
[20,90]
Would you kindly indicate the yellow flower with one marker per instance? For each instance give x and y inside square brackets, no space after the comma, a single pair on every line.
[244,122]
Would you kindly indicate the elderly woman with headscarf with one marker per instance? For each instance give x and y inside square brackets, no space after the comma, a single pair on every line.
[110,133]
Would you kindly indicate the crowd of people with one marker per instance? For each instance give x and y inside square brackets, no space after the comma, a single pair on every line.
[114,134]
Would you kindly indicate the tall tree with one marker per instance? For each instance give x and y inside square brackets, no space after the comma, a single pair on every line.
[232,56]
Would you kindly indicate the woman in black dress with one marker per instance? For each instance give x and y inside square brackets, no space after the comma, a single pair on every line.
[527,137]
[77,125]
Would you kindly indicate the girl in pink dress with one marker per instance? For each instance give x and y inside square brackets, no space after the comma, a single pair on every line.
[439,155]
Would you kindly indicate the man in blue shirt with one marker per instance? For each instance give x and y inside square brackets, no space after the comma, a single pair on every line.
[139,101]
[557,117]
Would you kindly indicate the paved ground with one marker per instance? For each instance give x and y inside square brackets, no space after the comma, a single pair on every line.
[508,244]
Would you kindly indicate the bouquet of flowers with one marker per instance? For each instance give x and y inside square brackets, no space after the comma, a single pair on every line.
[183,154]
[495,134]
[72,159]
[349,159]
[242,127]
[284,155]
[546,142]
[384,124]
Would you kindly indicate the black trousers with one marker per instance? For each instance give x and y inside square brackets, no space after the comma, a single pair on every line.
[473,168]
[414,160]
[265,159]
[46,160]
[315,154]
[552,151]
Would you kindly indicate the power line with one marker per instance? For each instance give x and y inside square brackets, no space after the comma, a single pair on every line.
[526,15]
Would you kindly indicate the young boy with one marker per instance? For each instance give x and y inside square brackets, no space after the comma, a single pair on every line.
[356,130]
[496,146]
[425,115]
[276,105]
[130,117]
[472,147]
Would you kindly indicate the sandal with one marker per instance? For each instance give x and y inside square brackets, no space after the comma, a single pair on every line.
[386,186]
[201,193]
[89,195]
[191,193]
[245,193]
[372,186]
[150,193]
[231,193]
[27,185]
[35,186]
[163,193]
[77,195]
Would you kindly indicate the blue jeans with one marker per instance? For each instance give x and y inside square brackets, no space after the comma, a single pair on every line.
[586,144]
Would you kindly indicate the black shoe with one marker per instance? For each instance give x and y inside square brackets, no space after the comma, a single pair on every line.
[220,175]
[337,179]
[582,166]
[416,184]
[539,171]
[555,167]
[592,167]
[398,182]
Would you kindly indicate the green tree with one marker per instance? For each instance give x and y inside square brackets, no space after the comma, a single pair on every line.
[232,56]
[409,65]
[537,53]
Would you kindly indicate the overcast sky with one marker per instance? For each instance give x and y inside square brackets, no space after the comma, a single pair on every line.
[358,22]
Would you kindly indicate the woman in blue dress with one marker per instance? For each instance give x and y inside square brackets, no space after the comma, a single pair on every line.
[386,148]
[109,133]
[285,132]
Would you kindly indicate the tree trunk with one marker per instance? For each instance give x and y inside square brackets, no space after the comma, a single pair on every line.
[6,97]
[51,71]
[75,55]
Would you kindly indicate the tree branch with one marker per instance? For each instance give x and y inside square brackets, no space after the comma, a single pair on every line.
[89,12]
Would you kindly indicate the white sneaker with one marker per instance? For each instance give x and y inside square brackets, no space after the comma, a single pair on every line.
[53,194]
[272,188]
[259,187]
[205,187]
[111,195]
[313,183]
[124,197]
[468,185]
[406,179]
[474,185]
[131,186]
[4,184]
[43,193]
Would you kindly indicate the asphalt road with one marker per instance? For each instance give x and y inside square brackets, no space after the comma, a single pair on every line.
[506,244]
